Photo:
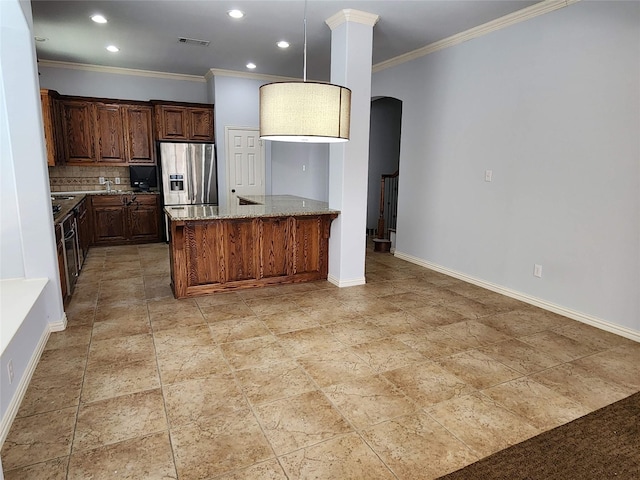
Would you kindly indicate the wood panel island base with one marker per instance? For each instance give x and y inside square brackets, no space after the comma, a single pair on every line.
[266,240]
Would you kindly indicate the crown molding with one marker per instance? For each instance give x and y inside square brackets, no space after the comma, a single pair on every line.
[351,15]
[120,71]
[170,76]
[532,11]
[254,76]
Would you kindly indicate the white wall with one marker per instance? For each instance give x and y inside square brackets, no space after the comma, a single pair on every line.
[24,173]
[300,169]
[552,106]
[11,259]
[101,83]
[237,104]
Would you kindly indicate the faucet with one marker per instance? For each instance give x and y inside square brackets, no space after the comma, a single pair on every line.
[108,184]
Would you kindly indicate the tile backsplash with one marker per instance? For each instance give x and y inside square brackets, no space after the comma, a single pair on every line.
[77,179]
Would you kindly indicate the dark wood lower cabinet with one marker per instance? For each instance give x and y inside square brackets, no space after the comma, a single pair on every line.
[208,256]
[61,265]
[124,219]
[144,219]
[109,219]
[84,227]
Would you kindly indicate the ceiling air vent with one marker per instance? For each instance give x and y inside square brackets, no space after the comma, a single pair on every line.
[193,41]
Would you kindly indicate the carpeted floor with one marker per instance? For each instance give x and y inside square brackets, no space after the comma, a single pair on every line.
[602,445]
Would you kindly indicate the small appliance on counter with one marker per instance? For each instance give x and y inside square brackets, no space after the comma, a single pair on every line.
[143,177]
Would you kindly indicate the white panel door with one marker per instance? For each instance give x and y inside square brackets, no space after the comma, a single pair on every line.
[245,163]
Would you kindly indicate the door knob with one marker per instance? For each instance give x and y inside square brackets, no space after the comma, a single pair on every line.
[233,190]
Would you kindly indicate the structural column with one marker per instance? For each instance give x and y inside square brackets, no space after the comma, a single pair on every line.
[351,52]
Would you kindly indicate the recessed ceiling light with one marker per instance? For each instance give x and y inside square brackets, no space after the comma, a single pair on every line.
[235,13]
[251,65]
[283,44]
[98,18]
[113,48]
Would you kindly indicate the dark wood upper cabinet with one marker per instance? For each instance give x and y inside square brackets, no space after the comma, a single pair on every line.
[109,134]
[52,123]
[171,123]
[200,124]
[184,122]
[78,126]
[138,127]
[101,131]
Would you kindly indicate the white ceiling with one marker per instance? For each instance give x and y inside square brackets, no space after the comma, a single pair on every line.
[147,31]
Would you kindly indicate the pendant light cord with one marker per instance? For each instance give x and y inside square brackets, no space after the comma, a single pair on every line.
[304,65]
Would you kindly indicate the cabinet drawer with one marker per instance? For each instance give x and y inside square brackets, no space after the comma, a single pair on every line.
[145,199]
[107,200]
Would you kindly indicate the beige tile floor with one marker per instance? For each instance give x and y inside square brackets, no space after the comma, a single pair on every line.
[413,375]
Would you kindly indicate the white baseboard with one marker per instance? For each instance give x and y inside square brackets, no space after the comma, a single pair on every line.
[60,325]
[14,405]
[346,283]
[538,302]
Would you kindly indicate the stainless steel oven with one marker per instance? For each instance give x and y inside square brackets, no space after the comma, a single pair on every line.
[71,250]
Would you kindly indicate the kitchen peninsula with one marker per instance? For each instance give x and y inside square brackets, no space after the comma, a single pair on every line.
[264,240]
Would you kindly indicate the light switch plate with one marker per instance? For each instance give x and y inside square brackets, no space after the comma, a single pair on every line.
[537,270]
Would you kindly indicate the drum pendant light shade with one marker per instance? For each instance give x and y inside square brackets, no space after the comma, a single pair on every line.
[305,112]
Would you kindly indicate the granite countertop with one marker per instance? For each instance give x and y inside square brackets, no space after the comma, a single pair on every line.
[263,206]
[69,200]
[67,203]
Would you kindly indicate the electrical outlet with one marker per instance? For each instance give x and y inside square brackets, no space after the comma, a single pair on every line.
[101,180]
[537,270]
[117,179]
[488,175]
[10,370]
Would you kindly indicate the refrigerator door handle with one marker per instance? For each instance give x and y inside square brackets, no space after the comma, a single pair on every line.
[191,176]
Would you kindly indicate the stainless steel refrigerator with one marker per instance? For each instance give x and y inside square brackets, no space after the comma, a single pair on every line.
[189,174]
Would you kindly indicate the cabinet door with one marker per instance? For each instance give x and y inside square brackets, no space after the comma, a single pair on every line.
[200,124]
[197,253]
[138,126]
[144,221]
[172,123]
[307,245]
[78,131]
[109,134]
[275,247]
[240,247]
[109,219]
[51,123]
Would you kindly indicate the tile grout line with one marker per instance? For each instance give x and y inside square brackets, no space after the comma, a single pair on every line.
[162,390]
[84,373]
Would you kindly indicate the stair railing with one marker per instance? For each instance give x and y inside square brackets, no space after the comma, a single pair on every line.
[388,204]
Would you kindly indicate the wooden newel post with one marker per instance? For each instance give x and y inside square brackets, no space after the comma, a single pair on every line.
[380,231]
